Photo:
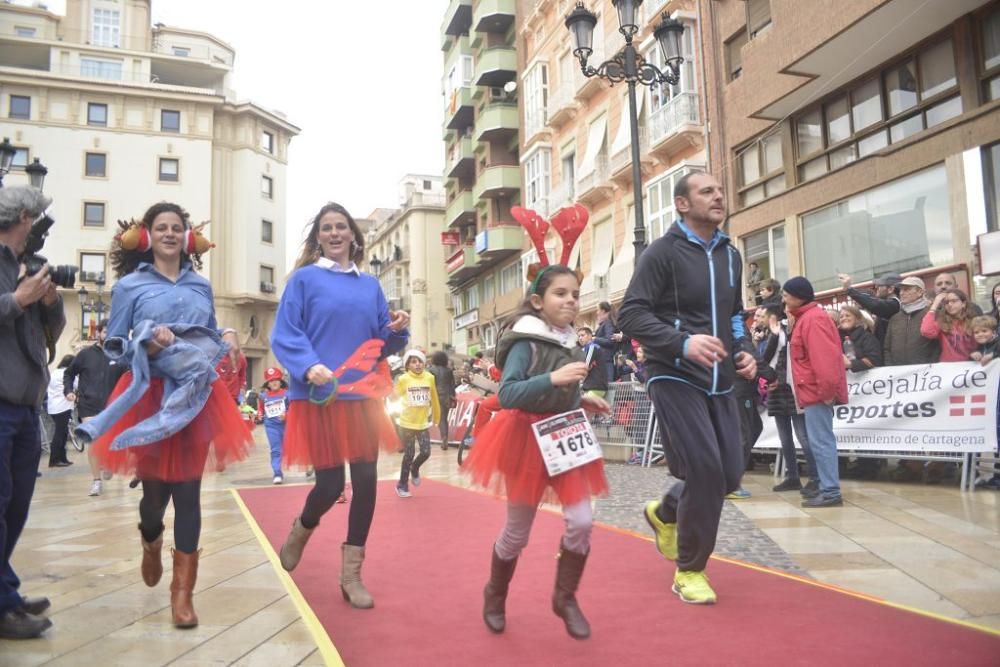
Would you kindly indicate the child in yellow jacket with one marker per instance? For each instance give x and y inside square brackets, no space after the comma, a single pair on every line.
[418,392]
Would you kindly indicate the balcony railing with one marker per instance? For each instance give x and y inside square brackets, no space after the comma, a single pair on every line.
[623,158]
[595,179]
[651,9]
[561,104]
[562,194]
[665,121]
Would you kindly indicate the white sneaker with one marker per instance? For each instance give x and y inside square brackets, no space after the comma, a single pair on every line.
[402,493]
[278,479]
[96,487]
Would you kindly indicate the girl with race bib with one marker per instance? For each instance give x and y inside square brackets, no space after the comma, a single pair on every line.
[272,409]
[418,390]
[542,370]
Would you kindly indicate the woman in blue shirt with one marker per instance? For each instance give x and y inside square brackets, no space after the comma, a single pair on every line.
[157,282]
[327,311]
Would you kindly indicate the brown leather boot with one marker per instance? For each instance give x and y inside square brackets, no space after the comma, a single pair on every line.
[152,562]
[568,575]
[295,544]
[495,593]
[351,587]
[182,588]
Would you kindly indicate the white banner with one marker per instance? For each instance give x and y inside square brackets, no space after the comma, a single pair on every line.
[945,407]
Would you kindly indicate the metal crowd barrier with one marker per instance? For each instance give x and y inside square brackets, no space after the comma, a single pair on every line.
[631,428]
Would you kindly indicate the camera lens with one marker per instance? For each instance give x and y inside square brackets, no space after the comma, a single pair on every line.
[63,275]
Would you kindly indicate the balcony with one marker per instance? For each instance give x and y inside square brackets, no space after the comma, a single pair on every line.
[461,211]
[457,19]
[497,122]
[675,126]
[461,160]
[499,243]
[495,182]
[562,106]
[494,15]
[562,194]
[587,87]
[496,66]
[621,162]
[461,265]
[595,186]
[460,111]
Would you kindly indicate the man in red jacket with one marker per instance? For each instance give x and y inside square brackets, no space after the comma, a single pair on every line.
[819,382]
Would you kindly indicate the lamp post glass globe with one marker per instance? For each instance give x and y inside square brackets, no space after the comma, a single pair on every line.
[7,153]
[581,23]
[36,173]
[627,10]
[668,35]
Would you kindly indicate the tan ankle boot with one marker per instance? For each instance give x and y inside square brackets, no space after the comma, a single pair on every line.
[152,561]
[182,588]
[353,589]
[295,544]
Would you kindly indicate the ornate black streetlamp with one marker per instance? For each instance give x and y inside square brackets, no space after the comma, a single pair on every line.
[36,173]
[630,67]
[7,153]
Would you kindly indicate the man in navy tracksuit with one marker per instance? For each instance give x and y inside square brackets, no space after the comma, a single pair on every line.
[684,306]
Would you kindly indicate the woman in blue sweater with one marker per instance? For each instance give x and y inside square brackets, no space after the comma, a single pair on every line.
[327,311]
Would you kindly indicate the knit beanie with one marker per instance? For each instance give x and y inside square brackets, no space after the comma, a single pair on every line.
[800,288]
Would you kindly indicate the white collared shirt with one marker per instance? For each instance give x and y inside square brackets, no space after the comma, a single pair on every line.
[330,265]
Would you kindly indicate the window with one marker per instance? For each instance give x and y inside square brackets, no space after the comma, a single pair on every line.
[900,226]
[170,121]
[761,169]
[672,106]
[510,278]
[567,184]
[734,56]
[105,28]
[267,142]
[537,179]
[21,31]
[267,279]
[181,51]
[21,158]
[758,16]
[991,178]
[472,297]
[769,250]
[93,214]
[427,185]
[267,186]
[101,69]
[661,204]
[902,100]
[490,289]
[97,114]
[93,266]
[990,50]
[170,169]
[459,76]
[267,231]
[96,164]
[536,98]
[20,107]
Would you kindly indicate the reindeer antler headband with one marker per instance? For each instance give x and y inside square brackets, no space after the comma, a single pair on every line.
[568,222]
[133,235]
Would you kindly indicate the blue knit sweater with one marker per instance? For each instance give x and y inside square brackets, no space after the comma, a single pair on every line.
[323,317]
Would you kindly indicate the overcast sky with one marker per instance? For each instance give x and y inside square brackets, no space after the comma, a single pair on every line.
[362,80]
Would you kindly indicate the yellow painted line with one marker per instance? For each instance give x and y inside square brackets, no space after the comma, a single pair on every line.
[331,656]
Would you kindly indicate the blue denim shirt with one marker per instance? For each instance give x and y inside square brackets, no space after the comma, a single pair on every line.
[145,294]
[188,371]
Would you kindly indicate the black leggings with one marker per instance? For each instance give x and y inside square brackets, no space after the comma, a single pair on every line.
[187,511]
[57,447]
[329,486]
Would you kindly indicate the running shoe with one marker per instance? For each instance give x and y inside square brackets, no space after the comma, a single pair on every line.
[666,533]
[693,588]
[788,485]
[278,479]
[96,487]
[738,494]
[403,493]
[415,478]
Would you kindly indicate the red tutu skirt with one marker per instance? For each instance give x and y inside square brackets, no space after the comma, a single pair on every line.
[338,433]
[216,437]
[505,460]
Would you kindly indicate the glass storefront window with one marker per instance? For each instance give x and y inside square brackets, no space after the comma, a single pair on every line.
[901,226]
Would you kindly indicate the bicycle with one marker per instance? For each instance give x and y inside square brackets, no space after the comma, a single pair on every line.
[48,428]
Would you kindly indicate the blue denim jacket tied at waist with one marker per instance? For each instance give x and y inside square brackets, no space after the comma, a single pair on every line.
[187,368]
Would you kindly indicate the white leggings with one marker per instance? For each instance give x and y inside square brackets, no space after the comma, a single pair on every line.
[579,519]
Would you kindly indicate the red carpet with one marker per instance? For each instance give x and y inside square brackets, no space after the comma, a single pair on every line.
[428,559]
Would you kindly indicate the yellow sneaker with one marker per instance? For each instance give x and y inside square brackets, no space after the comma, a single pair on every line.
[693,587]
[666,533]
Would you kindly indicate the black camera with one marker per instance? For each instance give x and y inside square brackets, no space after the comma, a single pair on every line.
[62,275]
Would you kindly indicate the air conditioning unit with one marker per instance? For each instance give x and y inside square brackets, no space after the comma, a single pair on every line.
[497,94]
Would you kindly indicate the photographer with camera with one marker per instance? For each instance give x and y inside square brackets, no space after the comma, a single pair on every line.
[31,315]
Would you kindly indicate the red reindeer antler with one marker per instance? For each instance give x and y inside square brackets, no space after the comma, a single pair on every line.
[537,227]
[569,222]
[362,359]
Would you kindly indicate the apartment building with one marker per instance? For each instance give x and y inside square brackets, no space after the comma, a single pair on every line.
[576,142]
[861,136]
[483,242]
[124,114]
[405,252]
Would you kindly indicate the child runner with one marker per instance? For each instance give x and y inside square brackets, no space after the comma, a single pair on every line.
[542,371]
[272,408]
[418,391]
